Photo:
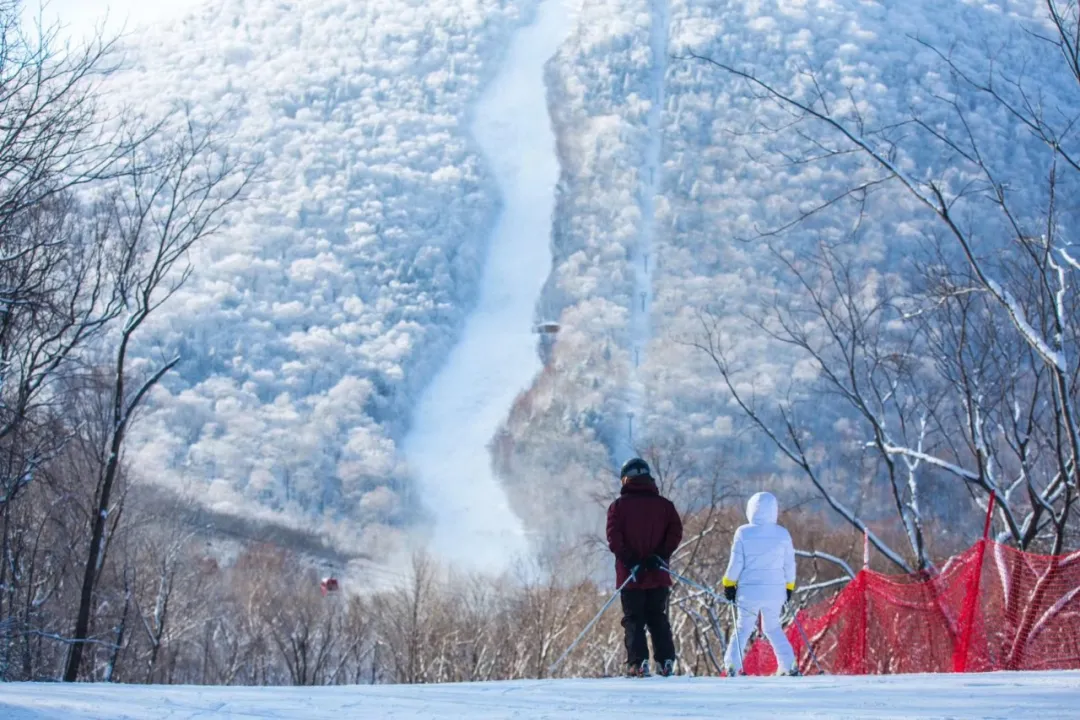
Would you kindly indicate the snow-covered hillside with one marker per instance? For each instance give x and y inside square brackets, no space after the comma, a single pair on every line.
[314,324]
[315,320]
[729,176]
[999,695]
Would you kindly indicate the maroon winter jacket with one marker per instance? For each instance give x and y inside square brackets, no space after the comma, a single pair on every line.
[641,523]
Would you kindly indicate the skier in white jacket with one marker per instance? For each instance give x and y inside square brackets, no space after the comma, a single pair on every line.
[760,578]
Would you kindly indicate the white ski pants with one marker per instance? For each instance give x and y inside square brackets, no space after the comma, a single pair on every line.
[768,601]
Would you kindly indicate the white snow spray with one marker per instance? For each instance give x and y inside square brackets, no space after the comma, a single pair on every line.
[496,358]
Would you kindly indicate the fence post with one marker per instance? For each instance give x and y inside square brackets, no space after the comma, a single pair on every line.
[971,598]
[865,603]
[865,622]
[989,515]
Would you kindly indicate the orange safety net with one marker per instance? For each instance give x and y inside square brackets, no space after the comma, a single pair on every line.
[990,608]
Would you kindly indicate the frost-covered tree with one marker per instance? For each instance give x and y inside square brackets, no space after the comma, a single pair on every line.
[957,359]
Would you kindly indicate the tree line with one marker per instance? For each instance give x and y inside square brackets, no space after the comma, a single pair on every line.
[170,609]
[99,206]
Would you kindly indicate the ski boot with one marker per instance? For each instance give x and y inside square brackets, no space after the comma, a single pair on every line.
[732,672]
[793,672]
[635,670]
[667,669]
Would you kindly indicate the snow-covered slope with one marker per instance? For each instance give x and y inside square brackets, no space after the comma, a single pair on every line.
[496,358]
[315,320]
[999,695]
[315,323]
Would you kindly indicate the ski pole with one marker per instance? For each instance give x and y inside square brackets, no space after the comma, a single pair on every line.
[551,668]
[735,630]
[693,584]
[809,647]
[716,596]
[730,604]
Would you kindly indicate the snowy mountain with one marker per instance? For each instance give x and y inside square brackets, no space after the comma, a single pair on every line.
[733,195]
[1012,695]
[315,323]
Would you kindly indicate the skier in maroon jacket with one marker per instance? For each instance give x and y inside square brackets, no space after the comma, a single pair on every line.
[643,530]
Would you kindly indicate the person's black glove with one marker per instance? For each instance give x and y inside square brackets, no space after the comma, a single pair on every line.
[630,560]
[655,562]
[729,592]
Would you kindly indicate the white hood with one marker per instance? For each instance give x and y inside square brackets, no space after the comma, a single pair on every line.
[761,509]
[762,556]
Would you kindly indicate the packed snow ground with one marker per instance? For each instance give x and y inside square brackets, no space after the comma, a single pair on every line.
[496,357]
[994,695]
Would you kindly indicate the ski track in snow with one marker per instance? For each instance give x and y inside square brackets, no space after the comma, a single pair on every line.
[496,358]
[1014,695]
[642,257]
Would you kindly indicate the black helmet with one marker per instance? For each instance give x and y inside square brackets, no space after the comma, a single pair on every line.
[635,468]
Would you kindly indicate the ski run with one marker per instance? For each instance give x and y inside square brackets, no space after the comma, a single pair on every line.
[496,358]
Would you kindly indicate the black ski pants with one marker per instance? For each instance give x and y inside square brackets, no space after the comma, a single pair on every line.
[647,609]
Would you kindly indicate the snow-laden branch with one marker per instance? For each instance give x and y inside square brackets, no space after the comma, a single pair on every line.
[824,585]
[1069,259]
[73,641]
[935,461]
[819,555]
[1030,334]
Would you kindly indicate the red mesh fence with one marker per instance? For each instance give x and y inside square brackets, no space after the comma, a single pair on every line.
[989,608]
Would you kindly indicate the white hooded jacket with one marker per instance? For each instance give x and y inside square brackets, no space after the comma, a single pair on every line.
[762,554]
